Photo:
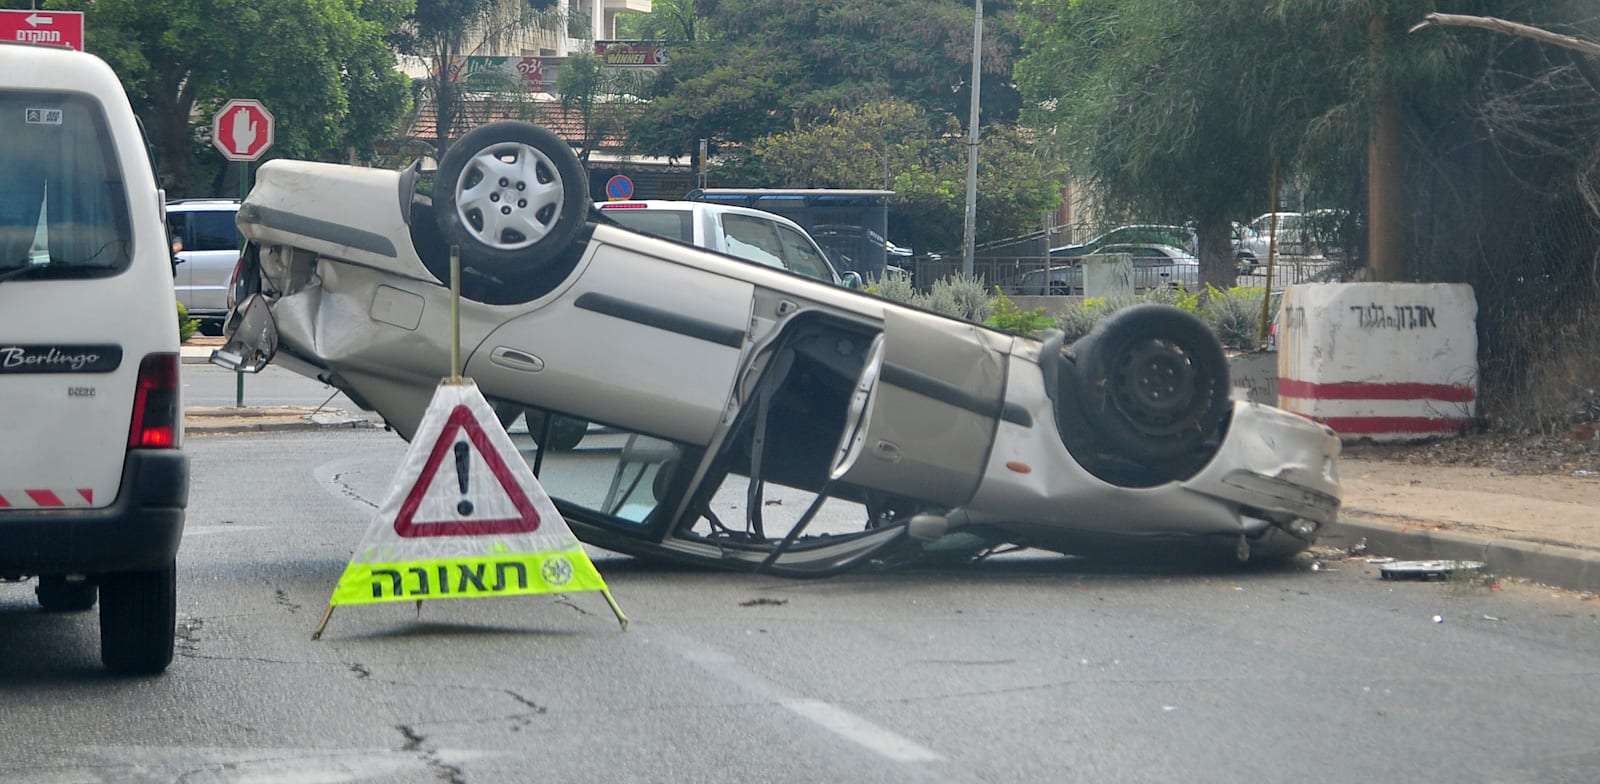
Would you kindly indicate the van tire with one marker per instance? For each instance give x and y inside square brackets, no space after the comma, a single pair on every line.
[138,620]
[58,594]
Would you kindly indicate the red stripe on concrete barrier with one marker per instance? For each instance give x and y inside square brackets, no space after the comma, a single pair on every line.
[1357,425]
[44,497]
[1362,390]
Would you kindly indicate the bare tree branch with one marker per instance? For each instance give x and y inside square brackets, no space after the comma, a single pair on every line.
[1509,28]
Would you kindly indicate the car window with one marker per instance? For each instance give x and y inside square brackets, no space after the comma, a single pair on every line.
[675,225]
[753,239]
[61,190]
[213,230]
[801,256]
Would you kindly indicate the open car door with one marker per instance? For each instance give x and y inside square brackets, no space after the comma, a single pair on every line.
[923,415]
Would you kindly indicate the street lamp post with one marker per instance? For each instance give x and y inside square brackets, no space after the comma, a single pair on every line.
[967,241]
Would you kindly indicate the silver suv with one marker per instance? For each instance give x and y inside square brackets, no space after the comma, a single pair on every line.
[205,244]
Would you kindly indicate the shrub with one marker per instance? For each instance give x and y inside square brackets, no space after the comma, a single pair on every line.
[1235,316]
[186,326]
[961,297]
[1005,315]
[1078,321]
[896,287]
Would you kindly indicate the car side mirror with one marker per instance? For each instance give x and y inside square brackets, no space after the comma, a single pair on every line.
[852,280]
[252,337]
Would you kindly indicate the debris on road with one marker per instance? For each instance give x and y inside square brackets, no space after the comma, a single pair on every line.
[1427,570]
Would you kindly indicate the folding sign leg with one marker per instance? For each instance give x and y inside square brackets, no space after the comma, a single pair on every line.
[621,619]
[317,635]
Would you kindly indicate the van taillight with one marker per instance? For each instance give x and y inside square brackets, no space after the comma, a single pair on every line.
[155,404]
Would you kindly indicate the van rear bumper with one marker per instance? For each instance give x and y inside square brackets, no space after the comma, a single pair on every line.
[139,531]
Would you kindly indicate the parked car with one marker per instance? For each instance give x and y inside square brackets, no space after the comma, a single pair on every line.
[1313,234]
[206,245]
[1184,237]
[721,383]
[1154,266]
[93,478]
[747,233]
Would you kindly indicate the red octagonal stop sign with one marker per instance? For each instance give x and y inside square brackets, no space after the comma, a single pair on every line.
[242,130]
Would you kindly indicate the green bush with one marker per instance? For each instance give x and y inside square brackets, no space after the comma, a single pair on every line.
[894,286]
[186,326]
[1235,316]
[1006,316]
[1077,321]
[959,296]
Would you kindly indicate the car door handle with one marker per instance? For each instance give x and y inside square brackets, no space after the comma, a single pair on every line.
[513,359]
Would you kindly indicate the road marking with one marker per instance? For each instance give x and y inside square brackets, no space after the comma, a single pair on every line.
[837,720]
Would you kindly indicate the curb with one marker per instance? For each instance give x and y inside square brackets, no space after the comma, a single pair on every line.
[1550,563]
[223,420]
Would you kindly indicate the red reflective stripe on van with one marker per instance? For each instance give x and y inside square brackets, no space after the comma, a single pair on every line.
[44,497]
[3,502]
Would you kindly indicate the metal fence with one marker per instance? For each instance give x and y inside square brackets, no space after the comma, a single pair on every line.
[1014,273]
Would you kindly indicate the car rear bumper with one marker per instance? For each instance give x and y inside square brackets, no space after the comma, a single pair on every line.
[139,531]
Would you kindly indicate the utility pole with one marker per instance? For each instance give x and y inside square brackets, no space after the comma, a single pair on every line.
[1385,164]
[967,241]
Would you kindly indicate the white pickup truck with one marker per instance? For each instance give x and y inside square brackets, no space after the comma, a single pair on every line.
[750,234]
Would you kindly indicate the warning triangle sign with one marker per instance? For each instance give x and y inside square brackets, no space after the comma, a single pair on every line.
[465,518]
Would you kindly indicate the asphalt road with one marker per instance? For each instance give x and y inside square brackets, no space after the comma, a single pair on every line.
[1022,668]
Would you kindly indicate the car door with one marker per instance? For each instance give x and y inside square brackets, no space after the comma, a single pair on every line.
[647,343]
[925,409]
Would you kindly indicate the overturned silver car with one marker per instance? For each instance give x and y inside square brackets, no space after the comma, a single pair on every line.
[683,404]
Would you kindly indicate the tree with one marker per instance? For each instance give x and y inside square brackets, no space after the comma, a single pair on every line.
[672,21]
[760,66]
[922,158]
[592,91]
[1176,111]
[439,31]
[320,66]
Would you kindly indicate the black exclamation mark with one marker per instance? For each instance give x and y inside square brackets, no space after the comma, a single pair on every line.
[463,455]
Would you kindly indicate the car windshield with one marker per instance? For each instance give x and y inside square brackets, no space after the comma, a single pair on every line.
[62,203]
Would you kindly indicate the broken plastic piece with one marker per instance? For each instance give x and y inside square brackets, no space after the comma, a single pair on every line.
[1427,570]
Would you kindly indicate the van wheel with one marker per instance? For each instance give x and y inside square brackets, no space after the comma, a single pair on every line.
[512,196]
[58,594]
[1154,383]
[138,620]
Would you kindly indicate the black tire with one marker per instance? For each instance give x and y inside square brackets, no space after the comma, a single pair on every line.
[138,620]
[512,196]
[565,432]
[58,594]
[1154,383]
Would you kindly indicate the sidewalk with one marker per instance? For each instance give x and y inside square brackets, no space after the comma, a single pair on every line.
[1543,528]
[221,420]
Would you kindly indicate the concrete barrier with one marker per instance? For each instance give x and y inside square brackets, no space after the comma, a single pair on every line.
[1380,361]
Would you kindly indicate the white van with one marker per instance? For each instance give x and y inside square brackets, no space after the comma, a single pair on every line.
[93,482]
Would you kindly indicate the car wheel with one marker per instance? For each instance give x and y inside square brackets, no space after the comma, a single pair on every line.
[1154,382]
[58,594]
[512,196]
[138,619]
[565,432]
